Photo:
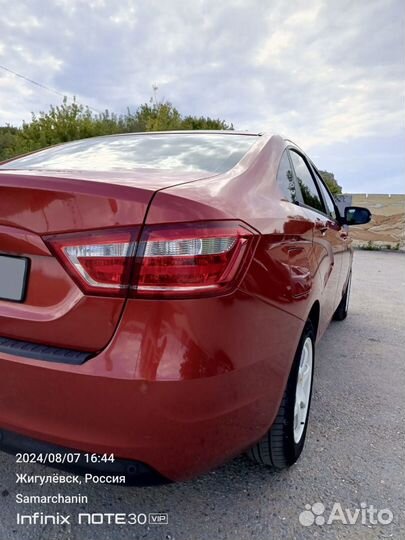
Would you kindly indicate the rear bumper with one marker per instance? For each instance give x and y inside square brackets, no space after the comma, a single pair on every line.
[182,387]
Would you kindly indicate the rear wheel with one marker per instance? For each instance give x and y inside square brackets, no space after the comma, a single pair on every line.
[343,308]
[283,443]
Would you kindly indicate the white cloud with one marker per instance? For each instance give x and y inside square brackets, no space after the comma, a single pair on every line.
[321,72]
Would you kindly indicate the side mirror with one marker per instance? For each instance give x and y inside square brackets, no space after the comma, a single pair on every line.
[356,215]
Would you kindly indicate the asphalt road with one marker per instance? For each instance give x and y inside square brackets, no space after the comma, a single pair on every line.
[354,452]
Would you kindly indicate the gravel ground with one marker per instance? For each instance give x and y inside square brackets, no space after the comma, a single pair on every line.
[354,452]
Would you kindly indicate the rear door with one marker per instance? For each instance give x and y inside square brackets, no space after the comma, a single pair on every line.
[343,239]
[327,243]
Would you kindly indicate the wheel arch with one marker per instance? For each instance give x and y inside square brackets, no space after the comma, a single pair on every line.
[314,315]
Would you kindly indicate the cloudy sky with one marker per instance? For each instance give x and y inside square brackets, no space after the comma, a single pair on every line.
[329,74]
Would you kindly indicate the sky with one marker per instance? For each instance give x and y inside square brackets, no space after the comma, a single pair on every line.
[327,74]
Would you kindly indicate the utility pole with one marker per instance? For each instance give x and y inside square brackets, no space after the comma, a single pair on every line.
[155,88]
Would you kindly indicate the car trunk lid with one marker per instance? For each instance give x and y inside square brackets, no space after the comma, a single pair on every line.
[53,310]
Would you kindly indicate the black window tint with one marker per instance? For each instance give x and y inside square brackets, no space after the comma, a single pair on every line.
[328,199]
[309,191]
[285,179]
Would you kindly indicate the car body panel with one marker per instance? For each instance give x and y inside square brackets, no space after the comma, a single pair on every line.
[175,388]
[181,385]
[36,205]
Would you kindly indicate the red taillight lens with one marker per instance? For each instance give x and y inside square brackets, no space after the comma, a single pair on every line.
[99,261]
[177,261]
[197,259]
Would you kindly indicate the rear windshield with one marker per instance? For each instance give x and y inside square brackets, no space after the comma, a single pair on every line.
[188,152]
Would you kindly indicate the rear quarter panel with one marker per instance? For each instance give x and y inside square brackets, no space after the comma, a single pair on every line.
[284,269]
[259,326]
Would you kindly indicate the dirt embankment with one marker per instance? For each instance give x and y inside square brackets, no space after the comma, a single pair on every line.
[387,227]
[381,229]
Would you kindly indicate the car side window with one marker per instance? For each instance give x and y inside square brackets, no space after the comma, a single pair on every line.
[327,197]
[307,185]
[285,179]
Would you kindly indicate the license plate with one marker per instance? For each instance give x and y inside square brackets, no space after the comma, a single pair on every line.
[13,278]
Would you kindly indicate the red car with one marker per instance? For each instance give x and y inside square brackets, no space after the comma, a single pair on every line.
[161,299]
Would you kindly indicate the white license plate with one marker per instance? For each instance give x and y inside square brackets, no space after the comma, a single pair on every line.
[13,277]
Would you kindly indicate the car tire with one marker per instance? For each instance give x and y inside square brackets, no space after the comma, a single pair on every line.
[283,443]
[343,307]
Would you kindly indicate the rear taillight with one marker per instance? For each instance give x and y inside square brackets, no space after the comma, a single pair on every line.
[190,260]
[177,261]
[100,261]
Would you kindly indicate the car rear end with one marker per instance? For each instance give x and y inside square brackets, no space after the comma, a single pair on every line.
[125,336]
